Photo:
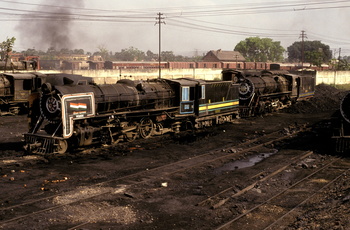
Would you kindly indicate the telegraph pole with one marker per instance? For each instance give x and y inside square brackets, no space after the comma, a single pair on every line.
[159,22]
[302,35]
[339,59]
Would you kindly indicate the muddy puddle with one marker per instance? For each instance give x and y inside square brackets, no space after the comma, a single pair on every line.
[246,162]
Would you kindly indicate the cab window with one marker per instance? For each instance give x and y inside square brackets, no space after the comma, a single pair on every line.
[203,92]
[185,93]
[27,84]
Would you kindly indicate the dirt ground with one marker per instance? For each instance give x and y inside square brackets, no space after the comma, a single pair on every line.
[171,201]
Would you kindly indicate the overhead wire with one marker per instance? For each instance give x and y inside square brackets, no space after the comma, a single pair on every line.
[236,26]
[221,30]
[327,38]
[265,8]
[214,10]
[176,16]
[74,8]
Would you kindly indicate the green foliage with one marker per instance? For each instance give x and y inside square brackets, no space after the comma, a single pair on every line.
[168,56]
[343,64]
[103,52]
[315,52]
[150,56]
[314,57]
[347,58]
[343,86]
[52,53]
[6,48]
[257,49]
[130,54]
[33,52]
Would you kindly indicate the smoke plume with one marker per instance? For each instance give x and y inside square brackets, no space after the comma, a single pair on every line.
[49,26]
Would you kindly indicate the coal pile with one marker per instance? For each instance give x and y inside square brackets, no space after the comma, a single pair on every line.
[326,99]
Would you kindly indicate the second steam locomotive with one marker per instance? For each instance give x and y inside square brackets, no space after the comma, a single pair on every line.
[71,115]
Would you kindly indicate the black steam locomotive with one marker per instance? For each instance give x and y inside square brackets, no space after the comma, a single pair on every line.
[79,115]
[270,90]
[16,88]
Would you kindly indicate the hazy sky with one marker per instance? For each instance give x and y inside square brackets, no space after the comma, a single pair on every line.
[191,26]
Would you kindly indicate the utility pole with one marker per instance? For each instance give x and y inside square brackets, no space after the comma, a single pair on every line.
[339,58]
[159,22]
[302,35]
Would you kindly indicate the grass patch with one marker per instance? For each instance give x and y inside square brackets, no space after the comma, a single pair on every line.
[342,87]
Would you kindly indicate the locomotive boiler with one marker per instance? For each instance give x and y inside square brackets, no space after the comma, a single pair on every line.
[79,115]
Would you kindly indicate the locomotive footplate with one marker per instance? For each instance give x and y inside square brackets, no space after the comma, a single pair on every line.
[43,144]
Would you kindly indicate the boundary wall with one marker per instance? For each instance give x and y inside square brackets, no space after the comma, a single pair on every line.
[332,77]
[111,76]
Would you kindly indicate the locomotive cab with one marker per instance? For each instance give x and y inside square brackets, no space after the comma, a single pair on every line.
[15,89]
[22,85]
[206,103]
[301,87]
[186,93]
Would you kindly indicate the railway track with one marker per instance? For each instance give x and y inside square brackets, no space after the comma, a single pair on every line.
[217,200]
[12,215]
[274,211]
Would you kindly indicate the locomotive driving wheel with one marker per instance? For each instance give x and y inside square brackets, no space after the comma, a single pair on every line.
[62,146]
[131,134]
[146,127]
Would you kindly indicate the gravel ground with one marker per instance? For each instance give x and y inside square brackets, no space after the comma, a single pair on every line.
[170,202]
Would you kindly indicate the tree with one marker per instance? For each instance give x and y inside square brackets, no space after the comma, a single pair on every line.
[150,56]
[314,57]
[65,51]
[168,56]
[315,52]
[260,49]
[6,48]
[30,52]
[103,52]
[78,51]
[130,54]
[343,64]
